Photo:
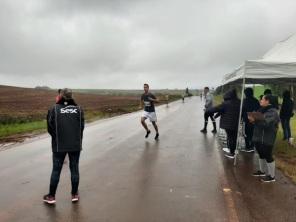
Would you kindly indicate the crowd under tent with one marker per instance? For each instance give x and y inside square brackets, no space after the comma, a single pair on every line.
[277,66]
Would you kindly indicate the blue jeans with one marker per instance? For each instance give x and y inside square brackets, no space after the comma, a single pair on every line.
[286,128]
[58,161]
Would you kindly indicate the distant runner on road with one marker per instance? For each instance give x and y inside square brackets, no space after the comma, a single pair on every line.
[148,100]
[65,124]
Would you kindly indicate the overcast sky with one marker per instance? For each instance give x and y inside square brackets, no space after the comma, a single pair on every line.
[124,43]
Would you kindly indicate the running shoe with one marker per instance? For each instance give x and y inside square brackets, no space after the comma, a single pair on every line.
[258,173]
[226,150]
[203,131]
[147,134]
[49,199]
[247,150]
[230,156]
[156,136]
[268,179]
[75,197]
[214,131]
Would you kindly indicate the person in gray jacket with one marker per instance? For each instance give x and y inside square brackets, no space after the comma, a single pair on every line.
[209,103]
[266,123]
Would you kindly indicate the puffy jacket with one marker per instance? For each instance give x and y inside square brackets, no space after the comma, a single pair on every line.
[265,130]
[65,124]
[229,111]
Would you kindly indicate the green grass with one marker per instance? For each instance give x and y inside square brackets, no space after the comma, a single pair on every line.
[285,154]
[19,128]
[22,125]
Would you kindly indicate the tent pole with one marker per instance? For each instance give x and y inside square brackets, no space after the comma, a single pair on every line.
[239,122]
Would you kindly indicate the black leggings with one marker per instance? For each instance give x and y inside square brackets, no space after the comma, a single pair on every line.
[231,140]
[249,130]
[207,115]
[58,161]
[265,152]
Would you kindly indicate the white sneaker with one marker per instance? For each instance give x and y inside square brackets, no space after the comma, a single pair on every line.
[291,141]
[226,150]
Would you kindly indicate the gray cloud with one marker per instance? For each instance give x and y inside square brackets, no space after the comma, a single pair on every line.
[121,44]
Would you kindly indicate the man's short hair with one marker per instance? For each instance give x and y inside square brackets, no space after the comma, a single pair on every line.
[207,88]
[59,91]
[146,84]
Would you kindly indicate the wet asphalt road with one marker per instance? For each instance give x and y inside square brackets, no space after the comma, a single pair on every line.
[126,178]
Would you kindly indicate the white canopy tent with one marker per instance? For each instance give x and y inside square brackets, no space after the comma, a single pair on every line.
[278,65]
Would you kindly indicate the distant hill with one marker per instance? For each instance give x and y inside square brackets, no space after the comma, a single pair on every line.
[43,88]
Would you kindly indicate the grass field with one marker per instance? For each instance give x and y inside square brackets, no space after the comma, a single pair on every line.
[23,110]
[6,130]
[285,154]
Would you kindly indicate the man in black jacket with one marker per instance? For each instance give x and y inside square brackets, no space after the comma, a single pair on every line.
[250,104]
[229,111]
[65,124]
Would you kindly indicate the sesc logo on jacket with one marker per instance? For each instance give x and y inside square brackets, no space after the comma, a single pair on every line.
[69,110]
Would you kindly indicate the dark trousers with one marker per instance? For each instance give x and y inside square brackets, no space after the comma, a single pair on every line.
[265,152]
[58,161]
[286,128]
[206,117]
[231,140]
[249,130]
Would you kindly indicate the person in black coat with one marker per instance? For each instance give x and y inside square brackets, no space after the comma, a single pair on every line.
[65,124]
[250,104]
[286,113]
[229,110]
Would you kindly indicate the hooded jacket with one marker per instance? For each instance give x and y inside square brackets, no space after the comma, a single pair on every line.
[250,104]
[265,130]
[65,124]
[229,111]
[287,109]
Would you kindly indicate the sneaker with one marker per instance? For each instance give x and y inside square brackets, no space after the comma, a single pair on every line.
[230,156]
[156,136]
[258,173]
[214,131]
[203,131]
[147,134]
[226,150]
[268,179]
[75,198]
[49,199]
[248,150]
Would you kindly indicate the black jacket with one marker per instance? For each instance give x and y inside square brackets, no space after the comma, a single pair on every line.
[287,109]
[250,104]
[265,130]
[65,124]
[229,110]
